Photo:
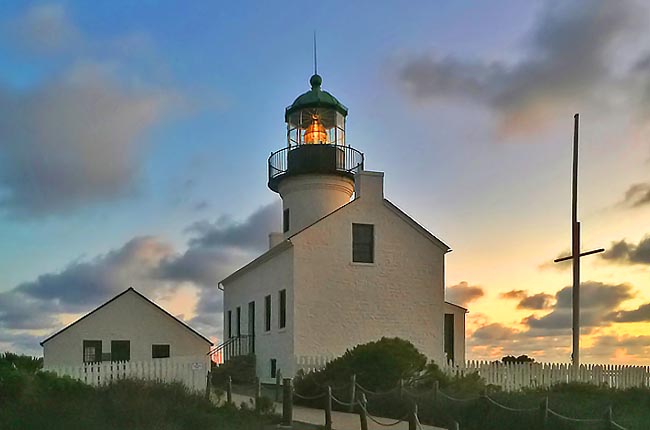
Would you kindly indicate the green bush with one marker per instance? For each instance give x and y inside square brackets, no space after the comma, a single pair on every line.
[241,369]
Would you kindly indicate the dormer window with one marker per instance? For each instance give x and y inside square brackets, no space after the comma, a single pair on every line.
[363,243]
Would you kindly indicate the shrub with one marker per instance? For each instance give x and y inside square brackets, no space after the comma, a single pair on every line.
[241,369]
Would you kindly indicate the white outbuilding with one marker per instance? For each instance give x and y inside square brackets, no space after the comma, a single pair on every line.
[127,328]
[348,268]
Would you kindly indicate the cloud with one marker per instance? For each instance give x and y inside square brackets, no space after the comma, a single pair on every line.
[637,195]
[44,28]
[597,300]
[514,294]
[568,55]
[494,331]
[642,313]
[462,293]
[623,252]
[536,302]
[147,263]
[76,140]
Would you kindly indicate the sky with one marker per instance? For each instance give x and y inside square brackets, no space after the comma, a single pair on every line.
[134,139]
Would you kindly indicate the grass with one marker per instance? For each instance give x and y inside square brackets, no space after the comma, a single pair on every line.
[31,400]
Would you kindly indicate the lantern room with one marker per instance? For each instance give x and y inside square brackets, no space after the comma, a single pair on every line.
[316,141]
[316,117]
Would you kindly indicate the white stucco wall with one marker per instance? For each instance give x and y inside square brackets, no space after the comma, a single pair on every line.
[311,197]
[267,278]
[339,304]
[128,317]
[459,331]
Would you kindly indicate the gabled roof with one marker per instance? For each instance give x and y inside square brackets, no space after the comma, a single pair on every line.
[413,223]
[120,295]
[457,306]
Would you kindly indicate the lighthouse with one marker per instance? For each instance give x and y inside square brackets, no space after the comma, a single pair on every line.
[314,172]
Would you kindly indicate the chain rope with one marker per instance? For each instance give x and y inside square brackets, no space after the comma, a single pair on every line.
[318,396]
[374,419]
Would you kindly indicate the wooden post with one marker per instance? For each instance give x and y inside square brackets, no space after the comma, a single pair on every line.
[543,412]
[401,389]
[287,403]
[363,418]
[278,382]
[436,387]
[608,419]
[258,393]
[413,417]
[453,425]
[328,409]
[229,390]
[353,391]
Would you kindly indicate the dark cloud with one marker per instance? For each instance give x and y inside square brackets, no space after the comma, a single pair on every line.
[637,195]
[494,331]
[536,302]
[514,294]
[567,57]
[85,150]
[463,293]
[597,301]
[642,313]
[624,252]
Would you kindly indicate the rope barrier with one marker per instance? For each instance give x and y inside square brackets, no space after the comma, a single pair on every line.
[318,396]
[342,403]
[507,408]
[575,420]
[374,419]
[416,395]
[376,393]
[454,399]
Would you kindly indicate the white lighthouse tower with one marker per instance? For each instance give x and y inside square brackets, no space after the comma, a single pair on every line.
[314,174]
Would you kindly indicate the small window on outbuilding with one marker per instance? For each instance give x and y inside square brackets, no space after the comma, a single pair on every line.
[274,367]
[159,351]
[363,243]
[92,350]
[120,350]
[285,221]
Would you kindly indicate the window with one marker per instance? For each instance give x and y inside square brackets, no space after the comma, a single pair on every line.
[92,350]
[120,350]
[159,351]
[363,243]
[283,309]
[267,313]
[449,336]
[238,321]
[229,324]
[285,220]
[274,367]
[251,318]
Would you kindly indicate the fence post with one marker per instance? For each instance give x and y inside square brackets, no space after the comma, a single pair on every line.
[401,389]
[328,409]
[287,403]
[608,419]
[363,418]
[258,393]
[229,390]
[454,425]
[278,380]
[207,385]
[413,417]
[543,413]
[353,391]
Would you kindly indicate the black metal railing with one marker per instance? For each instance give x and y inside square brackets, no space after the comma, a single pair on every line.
[235,346]
[317,158]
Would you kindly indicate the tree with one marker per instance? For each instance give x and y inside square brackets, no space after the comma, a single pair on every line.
[521,359]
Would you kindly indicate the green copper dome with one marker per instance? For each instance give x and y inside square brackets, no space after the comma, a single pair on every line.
[315,98]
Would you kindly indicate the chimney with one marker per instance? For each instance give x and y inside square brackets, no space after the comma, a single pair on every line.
[369,185]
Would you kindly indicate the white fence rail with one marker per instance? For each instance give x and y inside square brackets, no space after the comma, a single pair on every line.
[515,376]
[191,371]
[311,363]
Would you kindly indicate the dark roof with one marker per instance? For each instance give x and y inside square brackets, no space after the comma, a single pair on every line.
[120,295]
[315,98]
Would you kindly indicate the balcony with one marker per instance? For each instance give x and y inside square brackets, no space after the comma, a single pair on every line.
[309,159]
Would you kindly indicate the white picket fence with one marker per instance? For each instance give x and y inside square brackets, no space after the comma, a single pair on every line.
[191,371]
[311,363]
[515,376]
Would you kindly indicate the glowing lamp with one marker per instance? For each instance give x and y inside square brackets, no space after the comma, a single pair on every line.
[316,132]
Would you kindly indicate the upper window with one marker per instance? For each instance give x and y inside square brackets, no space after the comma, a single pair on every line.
[283,309]
[267,313]
[285,221]
[363,243]
[159,351]
[92,350]
[120,350]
